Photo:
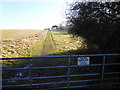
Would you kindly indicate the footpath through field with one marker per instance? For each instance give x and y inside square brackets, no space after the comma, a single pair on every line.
[49,45]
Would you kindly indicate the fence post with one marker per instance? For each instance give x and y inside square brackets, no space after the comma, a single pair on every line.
[103,67]
[68,78]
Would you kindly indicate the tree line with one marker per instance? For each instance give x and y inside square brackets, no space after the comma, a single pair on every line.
[97,22]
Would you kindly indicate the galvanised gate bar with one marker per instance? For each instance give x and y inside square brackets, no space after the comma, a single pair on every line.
[58,72]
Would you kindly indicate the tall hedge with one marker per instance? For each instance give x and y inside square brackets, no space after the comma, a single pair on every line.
[97,22]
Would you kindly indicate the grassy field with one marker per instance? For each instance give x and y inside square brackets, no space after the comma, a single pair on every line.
[65,45]
[15,34]
[21,43]
[25,43]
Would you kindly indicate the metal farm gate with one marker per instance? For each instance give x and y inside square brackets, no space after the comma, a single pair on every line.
[61,72]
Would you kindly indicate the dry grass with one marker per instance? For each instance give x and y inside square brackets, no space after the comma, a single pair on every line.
[22,43]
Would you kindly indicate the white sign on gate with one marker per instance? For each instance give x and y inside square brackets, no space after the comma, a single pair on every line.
[83,61]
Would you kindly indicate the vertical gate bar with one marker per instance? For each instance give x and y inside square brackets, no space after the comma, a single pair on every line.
[68,80]
[103,68]
[30,75]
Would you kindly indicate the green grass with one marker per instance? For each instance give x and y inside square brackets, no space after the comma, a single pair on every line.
[65,43]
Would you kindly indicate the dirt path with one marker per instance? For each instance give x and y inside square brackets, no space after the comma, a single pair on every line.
[49,45]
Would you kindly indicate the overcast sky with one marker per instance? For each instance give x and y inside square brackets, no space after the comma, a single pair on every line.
[31,14]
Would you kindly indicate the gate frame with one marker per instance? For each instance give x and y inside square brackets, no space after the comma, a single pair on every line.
[68,73]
